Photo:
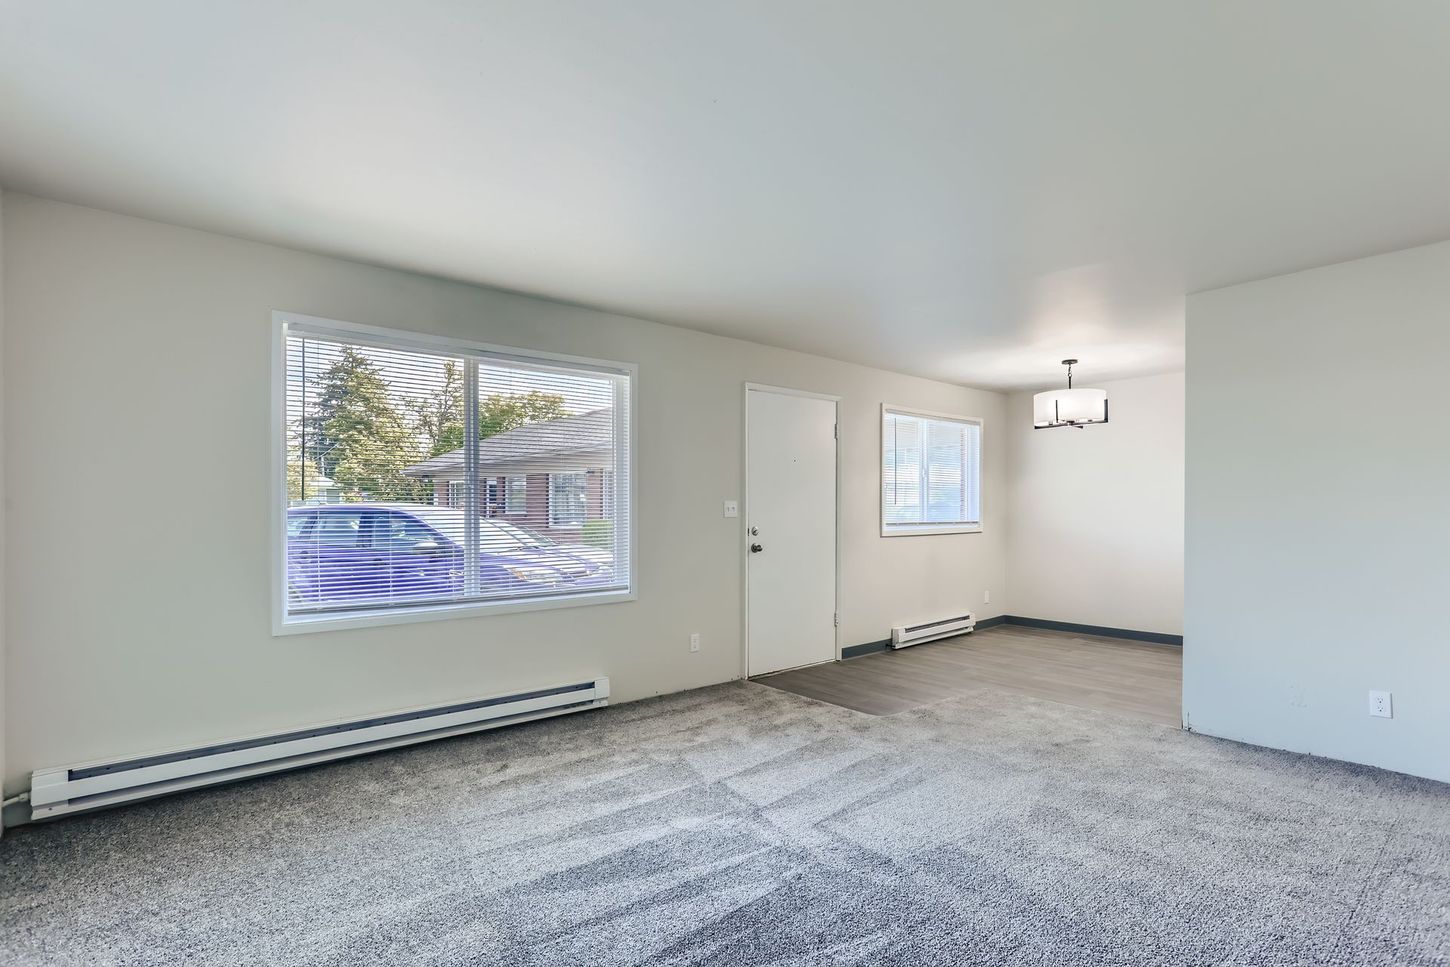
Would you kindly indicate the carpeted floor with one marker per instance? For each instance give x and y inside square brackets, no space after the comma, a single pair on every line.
[743,825]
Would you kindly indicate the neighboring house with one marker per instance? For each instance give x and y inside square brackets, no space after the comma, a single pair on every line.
[550,477]
[320,490]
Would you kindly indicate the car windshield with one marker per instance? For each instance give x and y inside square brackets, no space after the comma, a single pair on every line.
[521,536]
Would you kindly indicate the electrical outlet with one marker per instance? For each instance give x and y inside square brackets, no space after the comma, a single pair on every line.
[695,642]
[1380,705]
[987,597]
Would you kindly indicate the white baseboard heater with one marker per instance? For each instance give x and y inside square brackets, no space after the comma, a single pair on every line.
[906,635]
[57,792]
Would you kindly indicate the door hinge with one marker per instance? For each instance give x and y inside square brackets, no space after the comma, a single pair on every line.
[836,620]
[836,431]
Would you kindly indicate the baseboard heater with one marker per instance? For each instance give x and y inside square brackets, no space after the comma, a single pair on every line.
[907,635]
[57,792]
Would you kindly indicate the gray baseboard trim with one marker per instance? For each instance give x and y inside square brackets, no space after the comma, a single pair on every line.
[872,647]
[1155,637]
[869,648]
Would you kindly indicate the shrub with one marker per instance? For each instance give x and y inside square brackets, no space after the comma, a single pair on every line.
[599,533]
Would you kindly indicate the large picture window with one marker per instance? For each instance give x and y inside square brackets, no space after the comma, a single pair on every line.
[393,446]
[931,471]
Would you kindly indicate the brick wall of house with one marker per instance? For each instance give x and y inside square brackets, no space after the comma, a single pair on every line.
[536,516]
[536,503]
[594,495]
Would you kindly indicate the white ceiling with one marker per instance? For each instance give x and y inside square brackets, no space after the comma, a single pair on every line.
[965,190]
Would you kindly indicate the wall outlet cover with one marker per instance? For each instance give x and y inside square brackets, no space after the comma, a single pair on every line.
[1381,705]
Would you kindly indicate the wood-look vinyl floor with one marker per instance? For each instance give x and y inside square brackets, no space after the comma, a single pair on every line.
[1109,674]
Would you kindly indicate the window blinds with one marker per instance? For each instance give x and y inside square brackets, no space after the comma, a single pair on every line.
[418,476]
[930,473]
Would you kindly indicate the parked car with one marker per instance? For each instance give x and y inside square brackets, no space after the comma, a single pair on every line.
[342,554]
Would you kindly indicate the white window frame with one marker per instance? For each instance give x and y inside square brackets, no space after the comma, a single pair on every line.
[554,523]
[458,497]
[917,530]
[508,505]
[625,428]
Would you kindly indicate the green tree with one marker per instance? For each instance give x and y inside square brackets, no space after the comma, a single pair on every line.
[356,434]
[499,413]
[496,413]
[296,478]
[438,418]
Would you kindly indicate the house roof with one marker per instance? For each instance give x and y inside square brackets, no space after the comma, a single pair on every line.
[570,436]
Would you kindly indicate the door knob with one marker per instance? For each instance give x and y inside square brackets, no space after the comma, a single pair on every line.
[756,548]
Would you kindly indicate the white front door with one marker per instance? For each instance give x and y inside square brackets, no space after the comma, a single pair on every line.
[790,503]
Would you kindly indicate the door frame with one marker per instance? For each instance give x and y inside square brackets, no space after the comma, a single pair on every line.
[745,514]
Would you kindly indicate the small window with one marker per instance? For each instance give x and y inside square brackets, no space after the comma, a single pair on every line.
[516,495]
[298,523]
[567,499]
[931,471]
[339,529]
[395,532]
[382,431]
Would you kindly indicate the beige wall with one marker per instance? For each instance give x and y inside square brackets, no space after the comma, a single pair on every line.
[1318,520]
[1095,529]
[3,539]
[136,390]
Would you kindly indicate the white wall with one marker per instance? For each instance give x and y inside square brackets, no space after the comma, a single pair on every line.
[1318,518]
[136,394]
[1095,516]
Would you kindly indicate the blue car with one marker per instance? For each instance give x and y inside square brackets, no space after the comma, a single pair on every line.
[356,554]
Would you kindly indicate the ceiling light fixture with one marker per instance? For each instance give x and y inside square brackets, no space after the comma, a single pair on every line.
[1069,407]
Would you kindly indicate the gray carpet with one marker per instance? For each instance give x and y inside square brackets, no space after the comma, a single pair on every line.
[743,825]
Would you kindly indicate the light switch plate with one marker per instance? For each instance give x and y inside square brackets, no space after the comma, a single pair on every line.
[732,508]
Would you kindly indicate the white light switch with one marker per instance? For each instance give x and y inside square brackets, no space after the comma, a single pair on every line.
[732,508]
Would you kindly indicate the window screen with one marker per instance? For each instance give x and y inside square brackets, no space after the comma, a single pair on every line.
[393,460]
[930,473]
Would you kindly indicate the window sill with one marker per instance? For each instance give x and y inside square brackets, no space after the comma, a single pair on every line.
[343,621]
[918,530]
